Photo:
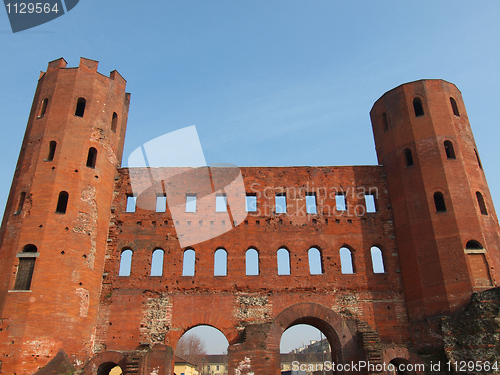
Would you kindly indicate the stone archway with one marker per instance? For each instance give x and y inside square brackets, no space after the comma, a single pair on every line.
[329,322]
[259,352]
[103,362]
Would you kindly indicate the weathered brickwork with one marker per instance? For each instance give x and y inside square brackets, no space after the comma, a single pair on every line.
[434,226]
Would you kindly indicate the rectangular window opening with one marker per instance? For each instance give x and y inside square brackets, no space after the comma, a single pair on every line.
[340,202]
[311,207]
[251,203]
[24,273]
[370,203]
[280,201]
[190,202]
[220,203]
[131,202]
[161,203]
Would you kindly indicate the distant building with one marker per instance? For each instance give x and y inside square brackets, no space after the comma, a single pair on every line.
[184,367]
[315,346]
[213,364]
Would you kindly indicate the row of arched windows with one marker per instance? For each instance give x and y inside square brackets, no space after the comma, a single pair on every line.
[441,205]
[448,149]
[91,156]
[418,109]
[252,262]
[79,111]
[62,202]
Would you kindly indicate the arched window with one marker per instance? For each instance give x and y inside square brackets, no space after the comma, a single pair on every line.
[478,160]
[448,148]
[377,260]
[220,262]
[52,151]
[108,368]
[408,157]
[439,202]
[62,202]
[252,262]
[346,262]
[480,202]
[20,203]
[125,263]
[188,264]
[315,262]
[385,123]
[114,121]
[473,245]
[454,107]
[283,261]
[92,157]
[418,107]
[43,107]
[26,267]
[80,107]
[157,262]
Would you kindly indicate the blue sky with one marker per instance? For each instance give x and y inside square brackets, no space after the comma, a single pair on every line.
[266,82]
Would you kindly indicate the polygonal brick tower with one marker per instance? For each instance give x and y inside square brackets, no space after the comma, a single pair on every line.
[445,224]
[54,232]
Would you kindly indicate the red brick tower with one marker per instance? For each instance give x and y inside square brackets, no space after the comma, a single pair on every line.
[446,228]
[54,232]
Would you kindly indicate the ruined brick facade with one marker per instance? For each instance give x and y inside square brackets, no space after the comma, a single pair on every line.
[63,302]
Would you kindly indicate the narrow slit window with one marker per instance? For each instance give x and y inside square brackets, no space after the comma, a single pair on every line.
[188,263]
[454,107]
[377,260]
[340,202]
[252,262]
[311,207]
[125,263]
[385,123]
[220,262]
[157,262]
[52,151]
[80,107]
[114,122]
[280,202]
[478,160]
[418,107]
[408,157]
[62,202]
[346,263]
[43,107]
[91,157]
[20,203]
[251,203]
[315,262]
[370,203]
[220,203]
[439,202]
[450,151]
[190,203]
[131,203]
[283,256]
[161,203]
[480,202]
